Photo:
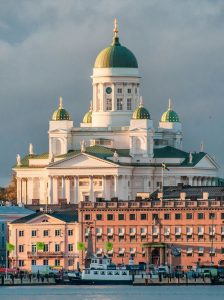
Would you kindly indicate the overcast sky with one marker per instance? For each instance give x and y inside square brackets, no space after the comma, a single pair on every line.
[48,48]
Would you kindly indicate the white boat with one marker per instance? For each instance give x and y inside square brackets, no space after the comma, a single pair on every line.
[103,271]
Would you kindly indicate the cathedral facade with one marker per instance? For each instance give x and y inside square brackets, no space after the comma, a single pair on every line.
[116,152]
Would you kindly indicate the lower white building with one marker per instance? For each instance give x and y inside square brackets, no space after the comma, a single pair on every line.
[116,151]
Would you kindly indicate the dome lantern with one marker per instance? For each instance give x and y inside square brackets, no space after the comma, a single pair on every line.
[141,112]
[170,115]
[88,116]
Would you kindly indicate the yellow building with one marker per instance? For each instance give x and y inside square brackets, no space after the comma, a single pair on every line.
[44,239]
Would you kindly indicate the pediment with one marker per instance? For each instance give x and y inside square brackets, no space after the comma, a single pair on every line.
[82,160]
[45,219]
[207,163]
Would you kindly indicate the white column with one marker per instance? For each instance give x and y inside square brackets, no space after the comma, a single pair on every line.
[67,189]
[76,189]
[49,196]
[115,186]
[30,190]
[91,192]
[43,192]
[190,180]
[104,187]
[62,187]
[19,192]
[55,190]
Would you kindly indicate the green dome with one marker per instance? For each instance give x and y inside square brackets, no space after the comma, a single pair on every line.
[170,115]
[60,114]
[116,56]
[88,117]
[141,113]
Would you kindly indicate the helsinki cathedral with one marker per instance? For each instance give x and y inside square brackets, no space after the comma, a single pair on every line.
[116,152]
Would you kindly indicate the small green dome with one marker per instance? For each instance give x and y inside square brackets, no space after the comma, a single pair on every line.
[141,113]
[88,117]
[170,115]
[60,114]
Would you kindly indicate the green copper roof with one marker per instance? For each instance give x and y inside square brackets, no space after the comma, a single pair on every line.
[60,114]
[141,113]
[116,56]
[170,115]
[88,117]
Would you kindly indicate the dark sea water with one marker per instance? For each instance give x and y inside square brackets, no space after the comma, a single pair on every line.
[112,293]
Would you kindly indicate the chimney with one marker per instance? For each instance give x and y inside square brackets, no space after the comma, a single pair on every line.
[182,196]
[205,195]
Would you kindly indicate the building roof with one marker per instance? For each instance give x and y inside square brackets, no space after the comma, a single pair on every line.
[87,117]
[67,217]
[170,115]
[14,210]
[60,114]
[141,113]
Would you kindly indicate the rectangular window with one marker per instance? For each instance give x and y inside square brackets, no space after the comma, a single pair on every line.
[222,250]
[33,262]
[46,248]
[21,248]
[99,217]
[70,232]
[110,217]
[108,104]
[45,232]
[33,248]
[177,216]
[166,216]
[121,217]
[129,91]
[57,262]
[119,91]
[222,216]
[189,216]
[132,217]
[70,262]
[158,184]
[21,233]
[211,216]
[70,247]
[119,104]
[45,262]
[21,263]
[57,232]
[87,217]
[33,233]
[143,216]
[129,106]
[57,247]
[155,216]
[200,216]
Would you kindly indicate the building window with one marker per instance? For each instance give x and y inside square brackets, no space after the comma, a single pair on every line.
[70,232]
[46,248]
[155,216]
[21,263]
[119,104]
[21,248]
[45,262]
[136,90]
[129,91]
[121,217]
[211,216]
[189,216]
[177,216]
[57,232]
[99,217]
[33,248]
[33,262]
[21,233]
[70,262]
[108,104]
[132,217]
[119,91]
[87,217]
[57,262]
[129,106]
[200,216]
[45,232]
[222,250]
[166,216]
[222,216]
[57,247]
[143,216]
[33,233]
[149,183]
[158,184]
[110,217]
[70,247]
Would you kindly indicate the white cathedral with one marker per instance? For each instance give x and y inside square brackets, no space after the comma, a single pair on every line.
[116,152]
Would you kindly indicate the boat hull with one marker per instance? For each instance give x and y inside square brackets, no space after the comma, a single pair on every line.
[100,282]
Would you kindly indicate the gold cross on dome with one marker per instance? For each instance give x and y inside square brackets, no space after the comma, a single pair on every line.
[115,28]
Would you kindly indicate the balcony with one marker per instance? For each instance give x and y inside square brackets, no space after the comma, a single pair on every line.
[45,254]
